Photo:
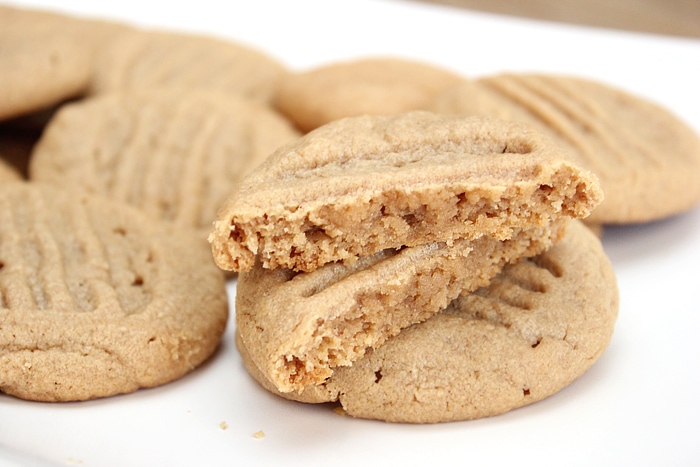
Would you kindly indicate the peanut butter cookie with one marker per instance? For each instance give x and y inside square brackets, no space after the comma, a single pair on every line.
[98,299]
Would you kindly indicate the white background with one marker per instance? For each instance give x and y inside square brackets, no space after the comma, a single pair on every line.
[638,406]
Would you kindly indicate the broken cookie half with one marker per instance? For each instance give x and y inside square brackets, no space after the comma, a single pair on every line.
[361,185]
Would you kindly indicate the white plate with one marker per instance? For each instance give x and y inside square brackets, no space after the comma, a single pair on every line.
[637,406]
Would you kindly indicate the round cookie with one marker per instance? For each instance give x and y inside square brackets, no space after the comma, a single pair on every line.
[371,86]
[98,299]
[150,59]
[539,326]
[360,185]
[175,155]
[647,160]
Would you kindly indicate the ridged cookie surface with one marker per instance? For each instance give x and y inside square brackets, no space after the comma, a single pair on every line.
[647,159]
[175,155]
[154,58]
[539,326]
[361,185]
[97,299]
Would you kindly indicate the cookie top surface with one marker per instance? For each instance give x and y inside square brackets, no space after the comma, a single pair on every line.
[152,58]
[39,70]
[539,325]
[175,155]
[360,185]
[97,299]
[371,86]
[647,160]
[301,327]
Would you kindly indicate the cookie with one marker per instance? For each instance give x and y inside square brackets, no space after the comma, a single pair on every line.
[540,325]
[150,59]
[647,159]
[98,299]
[175,155]
[38,71]
[360,185]
[370,86]
[301,327]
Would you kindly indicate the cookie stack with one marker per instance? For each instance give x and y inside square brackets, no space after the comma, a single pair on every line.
[367,230]
[338,300]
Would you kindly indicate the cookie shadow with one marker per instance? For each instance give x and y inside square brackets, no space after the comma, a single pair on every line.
[629,243]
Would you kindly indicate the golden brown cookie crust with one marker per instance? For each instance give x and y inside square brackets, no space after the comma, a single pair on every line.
[539,326]
[97,299]
[360,185]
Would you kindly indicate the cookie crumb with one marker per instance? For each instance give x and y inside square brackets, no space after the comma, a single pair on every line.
[340,410]
[259,434]
[223,425]
[73,461]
